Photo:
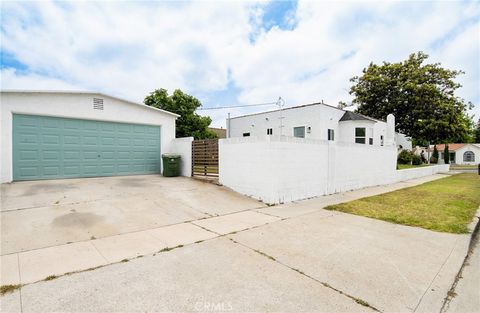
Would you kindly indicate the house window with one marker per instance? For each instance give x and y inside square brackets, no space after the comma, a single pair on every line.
[469,156]
[360,135]
[299,132]
[370,141]
[331,135]
[246,134]
[381,140]
[269,131]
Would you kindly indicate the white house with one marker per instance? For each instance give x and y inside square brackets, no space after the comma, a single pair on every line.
[460,153]
[315,121]
[49,134]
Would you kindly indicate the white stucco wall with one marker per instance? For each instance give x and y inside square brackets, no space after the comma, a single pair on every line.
[404,141]
[278,169]
[318,117]
[412,173]
[183,147]
[475,148]
[75,105]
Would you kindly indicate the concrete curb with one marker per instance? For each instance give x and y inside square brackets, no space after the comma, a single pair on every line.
[474,228]
[437,297]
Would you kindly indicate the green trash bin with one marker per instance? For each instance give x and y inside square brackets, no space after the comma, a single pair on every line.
[171,165]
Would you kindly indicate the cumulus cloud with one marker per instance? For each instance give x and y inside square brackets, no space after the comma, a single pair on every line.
[230,53]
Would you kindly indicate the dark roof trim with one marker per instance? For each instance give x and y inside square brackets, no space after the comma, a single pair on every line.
[351,116]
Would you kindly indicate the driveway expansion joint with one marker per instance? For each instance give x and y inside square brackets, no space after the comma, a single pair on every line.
[271,258]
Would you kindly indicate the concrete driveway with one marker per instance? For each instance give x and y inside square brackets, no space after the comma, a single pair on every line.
[41,214]
[295,257]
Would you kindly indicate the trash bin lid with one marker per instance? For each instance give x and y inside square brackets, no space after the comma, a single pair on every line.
[171,155]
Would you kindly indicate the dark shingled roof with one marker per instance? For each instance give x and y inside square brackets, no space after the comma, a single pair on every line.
[351,116]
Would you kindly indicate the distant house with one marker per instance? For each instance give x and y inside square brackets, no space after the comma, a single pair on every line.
[315,121]
[221,132]
[460,153]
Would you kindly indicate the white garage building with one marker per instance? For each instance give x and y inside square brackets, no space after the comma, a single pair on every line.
[59,134]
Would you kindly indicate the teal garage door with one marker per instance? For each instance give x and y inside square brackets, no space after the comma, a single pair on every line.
[51,147]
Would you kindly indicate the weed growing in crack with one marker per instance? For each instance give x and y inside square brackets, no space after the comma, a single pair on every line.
[265,255]
[4,289]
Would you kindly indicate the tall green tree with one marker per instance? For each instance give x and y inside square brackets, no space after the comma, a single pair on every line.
[421,96]
[446,155]
[189,123]
[477,132]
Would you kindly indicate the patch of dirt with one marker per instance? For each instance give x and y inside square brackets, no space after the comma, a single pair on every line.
[75,219]
[47,188]
[132,182]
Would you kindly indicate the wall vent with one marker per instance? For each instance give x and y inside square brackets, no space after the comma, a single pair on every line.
[97,104]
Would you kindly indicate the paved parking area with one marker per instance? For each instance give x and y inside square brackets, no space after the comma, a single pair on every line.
[41,214]
[235,255]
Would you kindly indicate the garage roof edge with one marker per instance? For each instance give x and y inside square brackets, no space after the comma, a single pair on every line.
[88,93]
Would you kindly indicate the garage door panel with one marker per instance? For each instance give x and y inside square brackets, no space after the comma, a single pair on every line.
[29,171]
[51,123]
[51,155]
[51,171]
[25,138]
[108,141]
[90,140]
[29,155]
[50,139]
[72,124]
[27,121]
[51,147]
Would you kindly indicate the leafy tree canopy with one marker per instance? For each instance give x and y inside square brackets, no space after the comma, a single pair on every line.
[421,96]
[189,123]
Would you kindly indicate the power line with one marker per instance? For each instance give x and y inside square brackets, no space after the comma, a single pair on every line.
[238,106]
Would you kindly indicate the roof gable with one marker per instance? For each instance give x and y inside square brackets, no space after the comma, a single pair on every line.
[351,116]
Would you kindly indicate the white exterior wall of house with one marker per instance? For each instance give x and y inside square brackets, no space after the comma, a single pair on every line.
[459,154]
[373,130]
[403,141]
[75,105]
[318,117]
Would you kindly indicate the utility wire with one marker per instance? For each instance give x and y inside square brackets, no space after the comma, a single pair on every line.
[238,106]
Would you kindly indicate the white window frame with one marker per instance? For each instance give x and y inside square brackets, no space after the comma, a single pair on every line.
[299,127]
[364,137]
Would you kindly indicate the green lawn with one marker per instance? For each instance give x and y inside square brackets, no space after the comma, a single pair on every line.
[462,167]
[445,205]
[406,166]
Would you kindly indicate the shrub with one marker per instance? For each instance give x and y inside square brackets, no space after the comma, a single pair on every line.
[416,160]
[434,158]
[404,157]
[446,155]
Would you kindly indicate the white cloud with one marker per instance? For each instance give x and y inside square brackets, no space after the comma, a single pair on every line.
[128,48]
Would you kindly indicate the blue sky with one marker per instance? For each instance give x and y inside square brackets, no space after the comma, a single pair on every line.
[230,53]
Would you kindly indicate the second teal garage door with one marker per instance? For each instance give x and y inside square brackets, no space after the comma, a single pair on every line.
[51,147]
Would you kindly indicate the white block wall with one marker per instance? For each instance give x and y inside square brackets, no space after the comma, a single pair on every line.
[183,147]
[283,169]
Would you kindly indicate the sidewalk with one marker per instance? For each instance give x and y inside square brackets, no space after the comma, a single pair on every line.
[36,265]
[249,261]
